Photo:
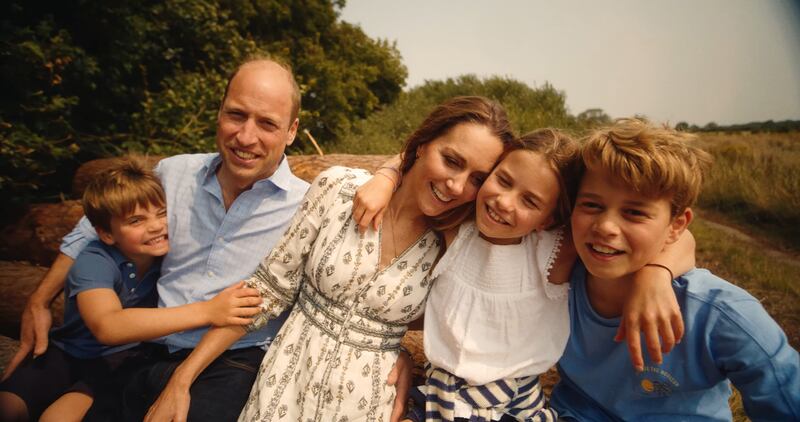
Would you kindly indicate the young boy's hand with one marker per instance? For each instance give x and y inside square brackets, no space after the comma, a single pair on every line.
[233,306]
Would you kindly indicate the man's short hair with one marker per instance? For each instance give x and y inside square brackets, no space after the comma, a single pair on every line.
[655,161]
[116,193]
[283,65]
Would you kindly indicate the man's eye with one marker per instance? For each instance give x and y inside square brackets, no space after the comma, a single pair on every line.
[451,161]
[477,180]
[502,181]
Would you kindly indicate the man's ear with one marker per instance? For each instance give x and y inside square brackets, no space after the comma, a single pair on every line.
[679,224]
[292,131]
[105,236]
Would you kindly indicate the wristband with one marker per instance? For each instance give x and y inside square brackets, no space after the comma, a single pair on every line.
[395,184]
[671,276]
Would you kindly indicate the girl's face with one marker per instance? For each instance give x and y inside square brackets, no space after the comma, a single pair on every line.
[519,197]
[450,169]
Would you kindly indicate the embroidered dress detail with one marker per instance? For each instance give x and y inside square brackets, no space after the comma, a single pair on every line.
[521,398]
[332,358]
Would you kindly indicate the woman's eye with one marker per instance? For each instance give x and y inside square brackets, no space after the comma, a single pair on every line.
[451,161]
[530,203]
[502,181]
[590,205]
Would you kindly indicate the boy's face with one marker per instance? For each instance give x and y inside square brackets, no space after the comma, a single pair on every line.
[616,230]
[141,234]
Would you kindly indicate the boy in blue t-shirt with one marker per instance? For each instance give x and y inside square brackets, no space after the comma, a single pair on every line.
[110,300]
[634,199]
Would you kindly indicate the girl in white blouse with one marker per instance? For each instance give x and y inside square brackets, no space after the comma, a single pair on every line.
[493,322]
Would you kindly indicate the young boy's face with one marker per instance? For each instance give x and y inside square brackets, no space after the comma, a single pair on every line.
[616,230]
[141,234]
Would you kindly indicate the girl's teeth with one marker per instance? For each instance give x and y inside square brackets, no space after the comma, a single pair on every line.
[494,216]
[603,249]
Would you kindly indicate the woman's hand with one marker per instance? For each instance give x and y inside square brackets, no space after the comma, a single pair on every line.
[400,377]
[233,306]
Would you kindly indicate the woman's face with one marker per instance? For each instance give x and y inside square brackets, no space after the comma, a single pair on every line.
[450,169]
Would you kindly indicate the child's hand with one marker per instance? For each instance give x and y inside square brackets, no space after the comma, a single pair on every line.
[233,306]
[370,202]
[653,308]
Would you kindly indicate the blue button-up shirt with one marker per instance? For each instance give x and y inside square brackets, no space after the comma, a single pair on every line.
[100,266]
[211,248]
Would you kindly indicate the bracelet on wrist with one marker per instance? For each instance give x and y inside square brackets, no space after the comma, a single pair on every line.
[671,276]
[391,179]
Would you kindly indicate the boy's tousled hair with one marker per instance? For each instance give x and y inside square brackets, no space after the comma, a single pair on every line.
[562,153]
[452,112]
[655,161]
[116,193]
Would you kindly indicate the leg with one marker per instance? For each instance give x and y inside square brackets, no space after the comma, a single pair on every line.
[69,407]
[220,392]
[12,408]
[35,384]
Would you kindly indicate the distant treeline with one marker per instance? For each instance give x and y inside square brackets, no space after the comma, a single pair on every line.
[770,126]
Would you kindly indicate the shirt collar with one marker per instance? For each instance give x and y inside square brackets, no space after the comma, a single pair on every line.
[281,178]
[116,255]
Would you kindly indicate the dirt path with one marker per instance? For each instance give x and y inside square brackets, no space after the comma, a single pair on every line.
[766,248]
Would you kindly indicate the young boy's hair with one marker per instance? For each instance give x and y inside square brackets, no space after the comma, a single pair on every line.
[116,193]
[654,161]
[562,153]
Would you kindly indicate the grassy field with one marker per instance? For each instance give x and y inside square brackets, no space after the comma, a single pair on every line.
[755,182]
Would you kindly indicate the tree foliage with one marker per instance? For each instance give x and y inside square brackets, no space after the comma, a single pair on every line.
[85,79]
[529,108]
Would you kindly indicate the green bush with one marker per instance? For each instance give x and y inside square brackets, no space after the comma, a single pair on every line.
[529,108]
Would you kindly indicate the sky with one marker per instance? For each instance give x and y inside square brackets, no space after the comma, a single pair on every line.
[698,61]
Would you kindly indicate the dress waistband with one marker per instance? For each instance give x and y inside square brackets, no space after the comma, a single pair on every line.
[345,323]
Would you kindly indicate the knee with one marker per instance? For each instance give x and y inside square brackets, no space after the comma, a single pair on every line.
[12,408]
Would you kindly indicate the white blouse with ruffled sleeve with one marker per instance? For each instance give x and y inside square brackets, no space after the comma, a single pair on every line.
[491,313]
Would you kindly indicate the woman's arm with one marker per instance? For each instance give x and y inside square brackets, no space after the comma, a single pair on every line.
[373,197]
[652,307]
[112,324]
[173,403]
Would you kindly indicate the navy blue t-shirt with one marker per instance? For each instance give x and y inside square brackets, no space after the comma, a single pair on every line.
[100,266]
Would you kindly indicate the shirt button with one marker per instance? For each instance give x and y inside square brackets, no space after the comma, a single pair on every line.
[130,264]
[220,239]
[211,273]
[131,275]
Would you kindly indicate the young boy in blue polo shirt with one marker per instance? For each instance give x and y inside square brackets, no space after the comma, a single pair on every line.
[110,300]
[635,198]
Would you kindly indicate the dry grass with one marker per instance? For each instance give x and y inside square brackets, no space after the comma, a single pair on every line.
[755,180]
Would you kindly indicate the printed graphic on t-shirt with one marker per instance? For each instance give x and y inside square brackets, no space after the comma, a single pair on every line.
[655,382]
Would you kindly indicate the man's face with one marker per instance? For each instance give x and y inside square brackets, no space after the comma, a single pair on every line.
[616,230]
[254,125]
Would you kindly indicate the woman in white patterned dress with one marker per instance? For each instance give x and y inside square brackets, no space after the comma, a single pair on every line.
[353,293]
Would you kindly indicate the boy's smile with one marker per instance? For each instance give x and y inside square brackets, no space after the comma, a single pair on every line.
[140,236]
[617,230]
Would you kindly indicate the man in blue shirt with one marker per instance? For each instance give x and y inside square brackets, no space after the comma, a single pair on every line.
[226,211]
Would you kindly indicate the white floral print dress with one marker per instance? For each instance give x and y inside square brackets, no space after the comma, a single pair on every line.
[331,359]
